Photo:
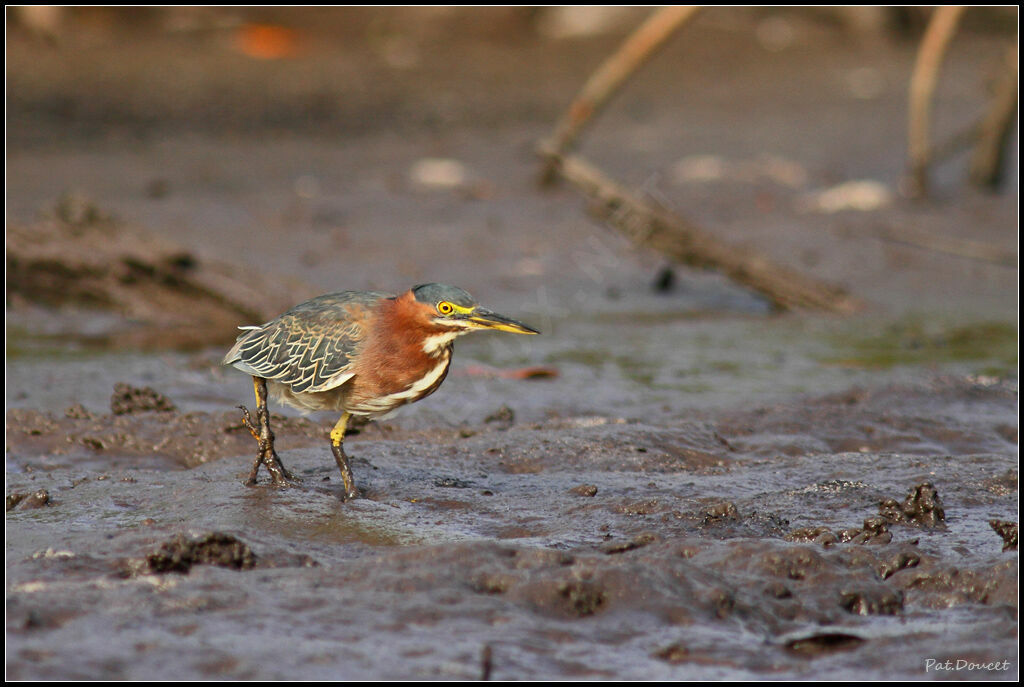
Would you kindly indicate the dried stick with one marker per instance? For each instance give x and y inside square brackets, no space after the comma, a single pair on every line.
[936,40]
[1004,94]
[961,248]
[989,159]
[654,227]
[610,76]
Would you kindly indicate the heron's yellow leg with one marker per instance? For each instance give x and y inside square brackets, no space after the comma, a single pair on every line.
[338,433]
[337,439]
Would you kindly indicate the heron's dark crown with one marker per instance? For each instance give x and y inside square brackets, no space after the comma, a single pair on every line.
[435,293]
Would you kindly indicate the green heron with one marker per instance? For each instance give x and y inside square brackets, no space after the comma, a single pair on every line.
[361,352]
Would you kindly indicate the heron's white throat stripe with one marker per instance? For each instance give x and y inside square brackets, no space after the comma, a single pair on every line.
[432,345]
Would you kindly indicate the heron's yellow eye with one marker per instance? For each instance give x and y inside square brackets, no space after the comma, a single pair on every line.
[445,308]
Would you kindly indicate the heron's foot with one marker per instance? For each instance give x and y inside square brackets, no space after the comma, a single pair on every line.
[280,476]
[351,491]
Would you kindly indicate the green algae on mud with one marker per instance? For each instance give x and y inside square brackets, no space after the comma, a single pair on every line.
[916,342]
[704,359]
[22,343]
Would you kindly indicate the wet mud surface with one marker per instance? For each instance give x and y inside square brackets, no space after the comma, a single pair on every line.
[688,551]
[670,483]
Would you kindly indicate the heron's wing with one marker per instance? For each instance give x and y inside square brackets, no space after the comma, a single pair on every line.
[310,348]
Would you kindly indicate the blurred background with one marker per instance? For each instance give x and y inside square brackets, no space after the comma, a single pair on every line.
[262,155]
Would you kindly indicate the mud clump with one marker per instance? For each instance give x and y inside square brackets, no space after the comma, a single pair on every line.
[872,601]
[721,511]
[37,499]
[452,483]
[78,412]
[645,507]
[922,508]
[901,560]
[813,535]
[874,531]
[637,542]
[78,210]
[1008,531]
[723,520]
[493,583]
[792,564]
[936,584]
[216,548]
[581,598]
[128,399]
[503,415]
[823,643]
[674,653]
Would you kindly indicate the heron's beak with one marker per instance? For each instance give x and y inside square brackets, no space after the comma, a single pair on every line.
[482,318]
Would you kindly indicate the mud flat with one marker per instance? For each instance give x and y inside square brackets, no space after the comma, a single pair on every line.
[578,548]
[692,488]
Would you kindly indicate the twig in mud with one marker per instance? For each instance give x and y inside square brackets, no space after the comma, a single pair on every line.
[936,40]
[989,160]
[654,227]
[650,225]
[988,134]
[962,248]
[612,73]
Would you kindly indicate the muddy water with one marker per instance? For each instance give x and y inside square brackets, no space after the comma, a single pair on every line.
[701,490]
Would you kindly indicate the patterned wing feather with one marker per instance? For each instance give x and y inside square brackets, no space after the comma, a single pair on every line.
[310,347]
